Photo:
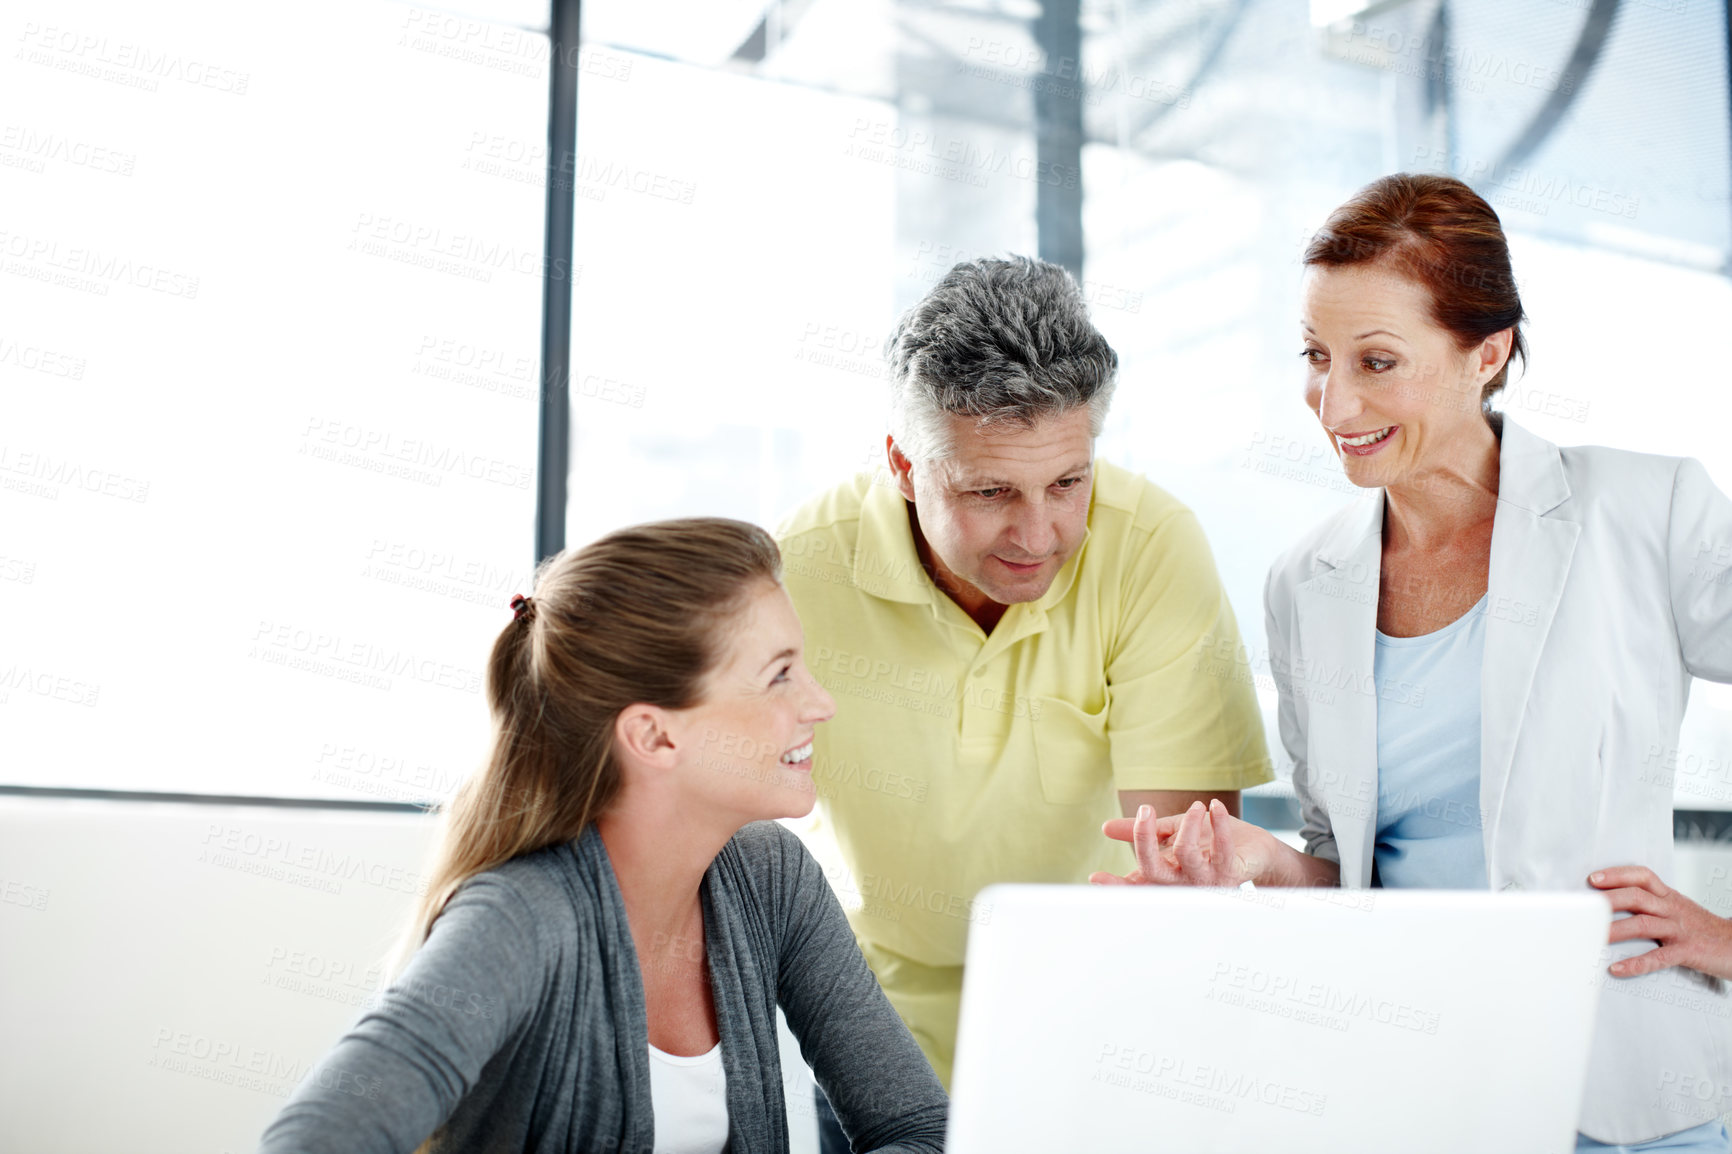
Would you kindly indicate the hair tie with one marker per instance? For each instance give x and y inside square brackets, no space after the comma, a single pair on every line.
[519,606]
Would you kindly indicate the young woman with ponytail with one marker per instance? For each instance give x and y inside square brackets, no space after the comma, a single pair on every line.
[610,922]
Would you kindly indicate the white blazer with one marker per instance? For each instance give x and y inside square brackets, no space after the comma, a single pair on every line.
[1610,587]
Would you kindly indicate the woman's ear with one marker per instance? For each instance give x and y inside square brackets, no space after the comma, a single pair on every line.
[1493,355]
[643,734]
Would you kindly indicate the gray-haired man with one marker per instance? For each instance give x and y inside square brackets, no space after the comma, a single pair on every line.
[1018,637]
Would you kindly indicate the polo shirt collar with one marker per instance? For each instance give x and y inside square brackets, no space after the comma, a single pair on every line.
[886,563]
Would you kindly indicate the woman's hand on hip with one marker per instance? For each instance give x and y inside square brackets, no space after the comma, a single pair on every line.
[1204,846]
[1688,934]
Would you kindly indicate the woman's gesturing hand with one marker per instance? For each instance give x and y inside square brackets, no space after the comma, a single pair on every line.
[1688,934]
[1201,847]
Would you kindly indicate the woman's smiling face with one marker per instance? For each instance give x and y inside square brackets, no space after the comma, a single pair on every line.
[1394,391]
[748,741]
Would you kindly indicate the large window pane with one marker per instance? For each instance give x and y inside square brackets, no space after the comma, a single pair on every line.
[268,363]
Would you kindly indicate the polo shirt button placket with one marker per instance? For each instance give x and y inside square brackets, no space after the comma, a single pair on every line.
[970,715]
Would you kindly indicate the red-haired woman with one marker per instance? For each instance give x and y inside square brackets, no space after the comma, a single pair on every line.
[610,923]
[1529,618]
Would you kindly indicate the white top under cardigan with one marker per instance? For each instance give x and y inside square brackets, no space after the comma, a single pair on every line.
[690,1097]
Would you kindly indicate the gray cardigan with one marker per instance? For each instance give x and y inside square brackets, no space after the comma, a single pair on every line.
[520,1024]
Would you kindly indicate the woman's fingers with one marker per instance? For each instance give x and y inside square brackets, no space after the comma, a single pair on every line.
[1154,867]
[1637,901]
[1689,935]
[1144,834]
[1166,828]
[1120,828]
[1641,926]
[1638,876]
[1143,838]
[1195,834]
[1192,848]
[1221,848]
[1648,963]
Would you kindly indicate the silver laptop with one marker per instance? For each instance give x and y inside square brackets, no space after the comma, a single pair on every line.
[1282,1021]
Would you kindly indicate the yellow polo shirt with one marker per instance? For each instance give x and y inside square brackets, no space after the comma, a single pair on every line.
[959,758]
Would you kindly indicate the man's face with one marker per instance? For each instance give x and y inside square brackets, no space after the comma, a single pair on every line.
[1003,513]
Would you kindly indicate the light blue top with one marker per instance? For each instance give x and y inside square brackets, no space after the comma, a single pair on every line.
[1428,817]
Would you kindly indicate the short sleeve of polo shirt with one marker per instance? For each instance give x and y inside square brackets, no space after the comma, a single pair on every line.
[1178,716]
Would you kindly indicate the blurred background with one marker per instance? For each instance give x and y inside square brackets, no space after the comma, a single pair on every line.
[286,417]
